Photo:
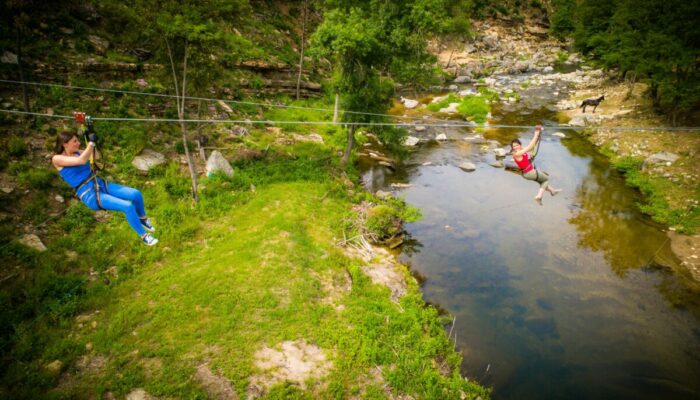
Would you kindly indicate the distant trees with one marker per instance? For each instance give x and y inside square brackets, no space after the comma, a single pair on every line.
[655,41]
[372,43]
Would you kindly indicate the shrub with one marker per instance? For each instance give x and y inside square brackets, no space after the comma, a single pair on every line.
[16,147]
[37,178]
[451,98]
[474,108]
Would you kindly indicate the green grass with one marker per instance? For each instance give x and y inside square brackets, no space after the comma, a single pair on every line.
[254,280]
[241,270]
[654,190]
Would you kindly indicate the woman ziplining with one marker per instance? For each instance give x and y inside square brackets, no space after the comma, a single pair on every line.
[76,168]
[527,167]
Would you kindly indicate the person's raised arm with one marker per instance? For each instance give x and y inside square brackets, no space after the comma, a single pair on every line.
[530,146]
[60,160]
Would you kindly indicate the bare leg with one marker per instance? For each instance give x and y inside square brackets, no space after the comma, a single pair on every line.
[553,191]
[538,198]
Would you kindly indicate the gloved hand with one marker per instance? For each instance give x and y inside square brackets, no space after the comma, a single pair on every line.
[92,137]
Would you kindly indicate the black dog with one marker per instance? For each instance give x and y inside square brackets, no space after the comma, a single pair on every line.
[592,102]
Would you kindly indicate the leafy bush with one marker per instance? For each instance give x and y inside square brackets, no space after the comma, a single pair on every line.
[474,108]
[16,147]
[37,178]
[17,167]
[451,98]
[386,219]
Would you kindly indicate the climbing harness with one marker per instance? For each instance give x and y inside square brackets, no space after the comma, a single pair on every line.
[534,154]
[85,125]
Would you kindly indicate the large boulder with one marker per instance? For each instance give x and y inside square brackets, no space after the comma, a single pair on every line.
[467,166]
[8,58]
[101,45]
[217,163]
[663,157]
[410,141]
[147,160]
[33,241]
[499,152]
[409,103]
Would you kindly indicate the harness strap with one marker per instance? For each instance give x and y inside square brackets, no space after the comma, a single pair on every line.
[93,178]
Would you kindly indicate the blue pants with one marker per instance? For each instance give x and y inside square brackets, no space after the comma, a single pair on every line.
[118,198]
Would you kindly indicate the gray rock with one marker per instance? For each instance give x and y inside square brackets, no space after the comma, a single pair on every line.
[101,45]
[410,141]
[663,157]
[218,163]
[451,109]
[238,131]
[382,194]
[497,164]
[441,137]
[419,128]
[558,134]
[139,394]
[8,58]
[33,241]
[409,103]
[225,106]
[147,160]
[463,79]
[467,166]
[499,152]
[578,120]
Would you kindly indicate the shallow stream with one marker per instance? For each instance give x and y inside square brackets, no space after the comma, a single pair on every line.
[578,298]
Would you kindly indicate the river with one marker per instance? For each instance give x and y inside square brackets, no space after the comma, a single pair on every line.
[580,297]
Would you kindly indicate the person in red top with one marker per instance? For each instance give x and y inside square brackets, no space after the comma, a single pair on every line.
[528,169]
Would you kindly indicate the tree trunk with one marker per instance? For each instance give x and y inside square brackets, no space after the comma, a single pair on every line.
[301,56]
[349,146]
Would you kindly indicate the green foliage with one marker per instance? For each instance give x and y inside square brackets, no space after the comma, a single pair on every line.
[386,219]
[563,18]
[16,146]
[37,178]
[475,108]
[438,105]
[653,40]
[655,204]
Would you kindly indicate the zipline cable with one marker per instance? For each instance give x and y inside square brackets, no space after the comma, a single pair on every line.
[690,128]
[206,99]
[399,124]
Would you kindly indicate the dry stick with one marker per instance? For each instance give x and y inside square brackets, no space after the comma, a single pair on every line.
[180,112]
[452,327]
[301,56]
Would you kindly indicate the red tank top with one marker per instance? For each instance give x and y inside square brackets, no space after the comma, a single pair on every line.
[524,164]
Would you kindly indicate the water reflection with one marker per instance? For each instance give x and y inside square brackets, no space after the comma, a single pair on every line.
[567,300]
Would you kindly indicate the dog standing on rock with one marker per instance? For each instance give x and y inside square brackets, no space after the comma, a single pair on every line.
[591,102]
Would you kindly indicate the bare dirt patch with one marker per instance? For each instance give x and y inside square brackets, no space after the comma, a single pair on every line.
[335,286]
[290,361]
[216,386]
[687,248]
[380,266]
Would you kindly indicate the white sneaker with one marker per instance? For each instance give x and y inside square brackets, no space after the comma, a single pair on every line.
[146,223]
[149,240]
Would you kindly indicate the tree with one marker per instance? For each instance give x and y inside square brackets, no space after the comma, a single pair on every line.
[371,44]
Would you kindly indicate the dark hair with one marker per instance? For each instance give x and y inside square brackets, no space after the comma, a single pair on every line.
[61,139]
[515,141]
